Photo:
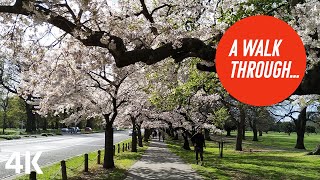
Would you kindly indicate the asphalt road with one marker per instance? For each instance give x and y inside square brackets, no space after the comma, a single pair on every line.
[54,149]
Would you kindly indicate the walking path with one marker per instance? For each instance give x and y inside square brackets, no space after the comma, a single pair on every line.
[159,163]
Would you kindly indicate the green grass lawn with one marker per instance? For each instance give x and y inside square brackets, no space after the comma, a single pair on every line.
[75,166]
[284,141]
[273,157]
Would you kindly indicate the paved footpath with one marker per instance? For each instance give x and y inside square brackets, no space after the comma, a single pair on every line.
[159,163]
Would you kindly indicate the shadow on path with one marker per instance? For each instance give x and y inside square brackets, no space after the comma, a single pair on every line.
[159,163]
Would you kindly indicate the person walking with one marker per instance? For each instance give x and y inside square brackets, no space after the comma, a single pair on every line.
[198,142]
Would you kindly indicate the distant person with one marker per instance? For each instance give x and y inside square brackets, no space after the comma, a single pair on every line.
[198,143]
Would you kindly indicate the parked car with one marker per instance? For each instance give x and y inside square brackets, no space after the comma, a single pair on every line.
[130,132]
[64,130]
[88,129]
[74,129]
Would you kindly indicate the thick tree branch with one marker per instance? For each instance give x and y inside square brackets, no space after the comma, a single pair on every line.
[191,47]
[145,11]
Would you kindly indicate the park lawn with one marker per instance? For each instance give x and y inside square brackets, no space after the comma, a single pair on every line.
[10,131]
[284,141]
[269,159]
[75,166]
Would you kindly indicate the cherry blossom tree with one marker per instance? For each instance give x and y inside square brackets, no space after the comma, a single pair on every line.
[177,92]
[83,84]
[297,109]
[134,112]
[149,32]
[10,70]
[259,119]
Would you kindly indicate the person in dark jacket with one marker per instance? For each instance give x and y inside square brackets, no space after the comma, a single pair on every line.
[198,143]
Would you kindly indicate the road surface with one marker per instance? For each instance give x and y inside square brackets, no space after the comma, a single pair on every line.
[54,149]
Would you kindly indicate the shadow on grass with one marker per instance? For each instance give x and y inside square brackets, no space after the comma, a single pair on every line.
[257,165]
[99,173]
[123,161]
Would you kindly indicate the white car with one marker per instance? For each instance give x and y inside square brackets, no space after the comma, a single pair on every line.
[64,130]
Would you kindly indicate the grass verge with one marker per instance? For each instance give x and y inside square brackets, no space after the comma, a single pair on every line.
[75,166]
[272,162]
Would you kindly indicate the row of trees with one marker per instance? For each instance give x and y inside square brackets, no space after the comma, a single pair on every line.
[63,58]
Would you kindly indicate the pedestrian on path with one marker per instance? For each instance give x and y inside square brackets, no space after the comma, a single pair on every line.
[198,142]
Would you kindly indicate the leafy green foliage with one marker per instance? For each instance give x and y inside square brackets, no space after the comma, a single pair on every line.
[179,83]
[16,113]
[254,7]
[220,116]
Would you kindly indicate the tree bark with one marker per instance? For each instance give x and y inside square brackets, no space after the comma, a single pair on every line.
[254,130]
[240,127]
[228,132]
[108,147]
[176,135]
[300,124]
[45,124]
[89,123]
[31,124]
[207,134]
[139,135]
[4,121]
[186,145]
[147,133]
[134,135]
[244,132]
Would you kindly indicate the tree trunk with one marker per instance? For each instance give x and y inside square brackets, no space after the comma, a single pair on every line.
[4,121]
[134,135]
[254,129]
[176,135]
[207,134]
[260,133]
[228,132]
[244,132]
[108,162]
[171,130]
[56,123]
[89,123]
[300,124]
[45,124]
[147,133]
[240,127]
[31,124]
[139,135]
[186,145]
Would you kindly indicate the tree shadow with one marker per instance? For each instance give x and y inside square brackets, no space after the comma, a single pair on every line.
[160,173]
